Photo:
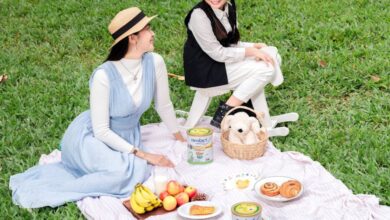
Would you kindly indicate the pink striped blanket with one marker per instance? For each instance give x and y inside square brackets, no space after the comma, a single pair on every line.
[324,197]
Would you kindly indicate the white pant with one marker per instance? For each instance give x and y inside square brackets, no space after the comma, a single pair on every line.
[248,78]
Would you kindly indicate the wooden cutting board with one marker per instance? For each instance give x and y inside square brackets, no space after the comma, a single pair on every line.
[156,211]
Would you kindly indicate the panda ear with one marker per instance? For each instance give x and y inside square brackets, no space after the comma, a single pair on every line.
[226,122]
[255,126]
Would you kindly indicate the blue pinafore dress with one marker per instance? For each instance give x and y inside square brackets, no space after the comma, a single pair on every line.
[88,166]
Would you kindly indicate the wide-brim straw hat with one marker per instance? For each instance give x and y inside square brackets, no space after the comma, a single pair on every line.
[127,22]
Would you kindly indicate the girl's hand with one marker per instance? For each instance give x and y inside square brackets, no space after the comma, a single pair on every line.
[155,159]
[264,57]
[259,45]
[179,137]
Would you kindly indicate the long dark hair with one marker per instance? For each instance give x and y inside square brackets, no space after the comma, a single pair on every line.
[119,50]
[219,30]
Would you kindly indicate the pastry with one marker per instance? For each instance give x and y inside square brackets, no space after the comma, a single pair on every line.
[201,210]
[290,188]
[242,184]
[270,189]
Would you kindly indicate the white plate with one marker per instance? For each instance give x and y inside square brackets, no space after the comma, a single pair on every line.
[278,180]
[184,210]
[230,182]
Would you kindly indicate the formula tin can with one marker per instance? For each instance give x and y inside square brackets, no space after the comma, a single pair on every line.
[246,211]
[200,145]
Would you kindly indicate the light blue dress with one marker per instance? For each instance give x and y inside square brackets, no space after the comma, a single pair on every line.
[89,167]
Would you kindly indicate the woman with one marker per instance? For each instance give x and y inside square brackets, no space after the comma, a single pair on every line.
[102,152]
[215,60]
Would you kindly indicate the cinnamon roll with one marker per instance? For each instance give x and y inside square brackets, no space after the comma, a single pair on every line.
[270,189]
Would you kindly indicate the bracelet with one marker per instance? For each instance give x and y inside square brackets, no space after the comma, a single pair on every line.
[135,151]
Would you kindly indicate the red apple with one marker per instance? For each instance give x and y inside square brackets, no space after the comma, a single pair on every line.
[191,191]
[182,198]
[173,187]
[169,203]
[163,195]
[181,188]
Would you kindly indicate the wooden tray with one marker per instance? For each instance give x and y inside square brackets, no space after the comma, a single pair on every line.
[156,211]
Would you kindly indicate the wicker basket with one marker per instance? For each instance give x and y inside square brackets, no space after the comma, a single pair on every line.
[242,151]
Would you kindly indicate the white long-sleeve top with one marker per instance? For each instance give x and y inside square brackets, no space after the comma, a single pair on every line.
[100,93]
[200,26]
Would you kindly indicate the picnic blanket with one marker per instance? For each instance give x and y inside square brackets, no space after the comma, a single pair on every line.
[324,197]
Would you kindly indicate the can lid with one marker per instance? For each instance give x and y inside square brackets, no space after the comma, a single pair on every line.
[246,209]
[199,131]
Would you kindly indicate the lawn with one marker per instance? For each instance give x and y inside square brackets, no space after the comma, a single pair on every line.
[335,62]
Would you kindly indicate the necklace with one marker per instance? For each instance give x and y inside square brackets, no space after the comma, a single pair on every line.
[134,73]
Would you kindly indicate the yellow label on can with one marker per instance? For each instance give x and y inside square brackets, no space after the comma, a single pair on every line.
[199,131]
[246,209]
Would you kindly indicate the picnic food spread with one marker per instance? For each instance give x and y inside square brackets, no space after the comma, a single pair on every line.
[173,194]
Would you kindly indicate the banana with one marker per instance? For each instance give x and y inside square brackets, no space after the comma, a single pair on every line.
[143,202]
[134,205]
[149,208]
[158,203]
[150,197]
[146,191]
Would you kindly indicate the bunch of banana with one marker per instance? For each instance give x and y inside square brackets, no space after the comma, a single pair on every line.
[143,200]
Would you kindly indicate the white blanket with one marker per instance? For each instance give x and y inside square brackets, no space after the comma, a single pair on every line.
[324,197]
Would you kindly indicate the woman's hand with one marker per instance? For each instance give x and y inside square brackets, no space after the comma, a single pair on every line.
[159,160]
[179,137]
[259,45]
[155,159]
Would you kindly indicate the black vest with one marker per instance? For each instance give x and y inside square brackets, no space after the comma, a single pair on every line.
[200,70]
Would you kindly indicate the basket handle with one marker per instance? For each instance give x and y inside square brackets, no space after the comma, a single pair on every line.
[259,115]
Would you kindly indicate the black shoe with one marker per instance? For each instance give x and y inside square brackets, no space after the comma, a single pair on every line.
[248,104]
[219,114]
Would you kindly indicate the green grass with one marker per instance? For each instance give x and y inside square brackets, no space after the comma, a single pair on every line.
[50,48]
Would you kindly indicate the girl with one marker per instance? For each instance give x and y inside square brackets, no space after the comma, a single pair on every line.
[215,59]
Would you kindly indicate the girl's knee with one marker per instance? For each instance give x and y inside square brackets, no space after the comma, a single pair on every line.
[273,52]
[279,59]
[265,72]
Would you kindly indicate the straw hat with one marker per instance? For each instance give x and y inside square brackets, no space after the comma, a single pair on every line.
[127,22]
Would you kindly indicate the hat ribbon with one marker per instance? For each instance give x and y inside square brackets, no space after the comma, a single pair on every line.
[128,26]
